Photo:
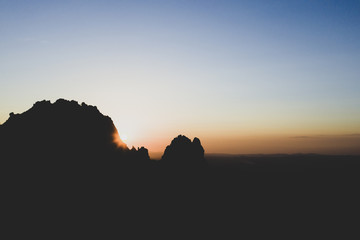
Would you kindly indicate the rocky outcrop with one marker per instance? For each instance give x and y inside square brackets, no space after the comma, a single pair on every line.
[68,131]
[63,130]
[184,153]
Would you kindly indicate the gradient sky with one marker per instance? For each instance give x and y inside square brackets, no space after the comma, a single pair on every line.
[243,76]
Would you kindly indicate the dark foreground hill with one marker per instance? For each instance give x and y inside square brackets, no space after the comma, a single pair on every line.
[64,168]
[63,130]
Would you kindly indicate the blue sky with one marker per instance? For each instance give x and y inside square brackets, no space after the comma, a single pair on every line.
[213,69]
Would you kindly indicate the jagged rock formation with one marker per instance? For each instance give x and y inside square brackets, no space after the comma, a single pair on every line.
[63,130]
[79,135]
[184,153]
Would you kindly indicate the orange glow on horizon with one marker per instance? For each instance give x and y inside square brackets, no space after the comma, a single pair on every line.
[264,144]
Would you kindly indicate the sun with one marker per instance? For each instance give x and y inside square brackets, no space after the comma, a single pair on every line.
[124,137]
[119,140]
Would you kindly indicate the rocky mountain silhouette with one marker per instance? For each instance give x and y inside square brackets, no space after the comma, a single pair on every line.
[69,131]
[62,164]
[183,152]
[66,159]
[62,130]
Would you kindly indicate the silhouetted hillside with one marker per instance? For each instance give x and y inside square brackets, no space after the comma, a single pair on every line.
[65,131]
[67,135]
[182,153]
[63,163]
[62,130]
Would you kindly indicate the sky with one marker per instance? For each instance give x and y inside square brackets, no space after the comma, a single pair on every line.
[243,76]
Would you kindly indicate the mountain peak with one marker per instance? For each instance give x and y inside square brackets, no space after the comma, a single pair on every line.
[66,130]
[63,127]
[182,152]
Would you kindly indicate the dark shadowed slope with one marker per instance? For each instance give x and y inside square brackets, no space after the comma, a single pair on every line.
[63,130]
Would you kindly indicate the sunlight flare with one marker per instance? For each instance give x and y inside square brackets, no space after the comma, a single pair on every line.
[123,137]
[118,140]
